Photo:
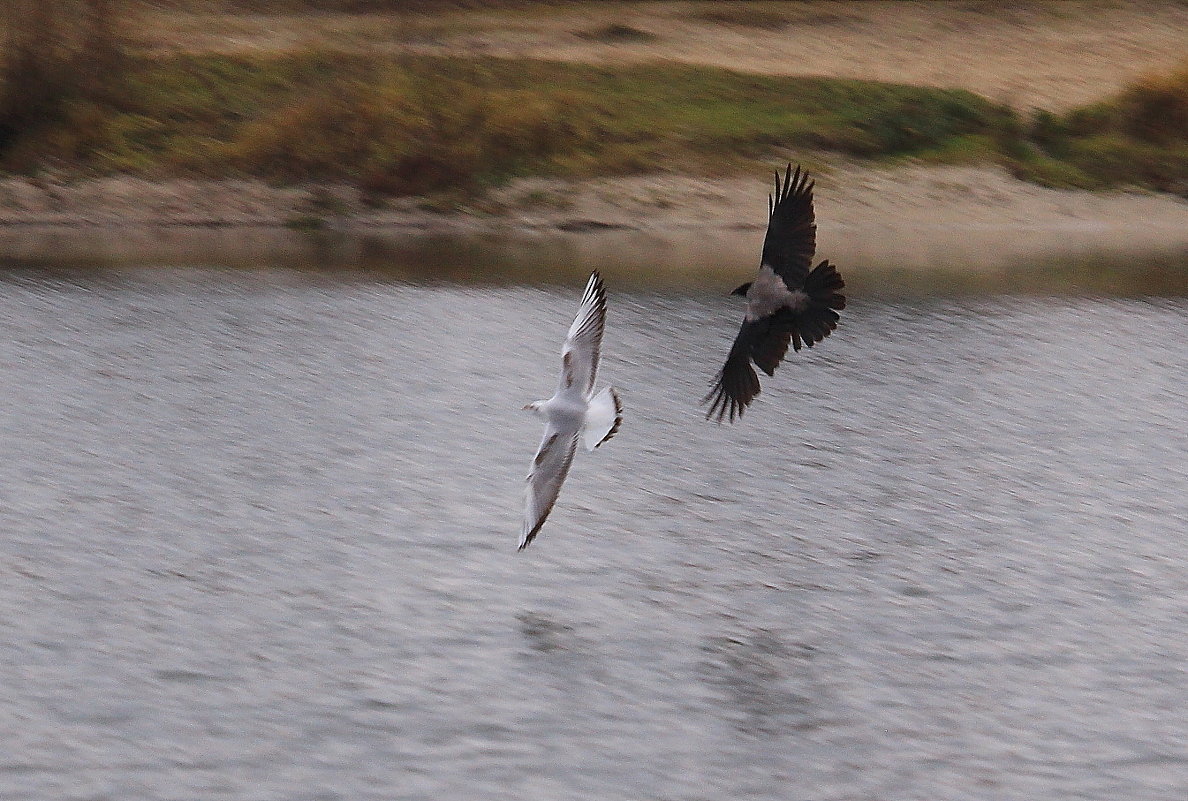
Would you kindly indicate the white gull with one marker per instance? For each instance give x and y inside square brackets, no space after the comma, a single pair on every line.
[574,412]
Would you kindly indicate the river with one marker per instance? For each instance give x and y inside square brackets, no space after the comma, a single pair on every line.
[258,527]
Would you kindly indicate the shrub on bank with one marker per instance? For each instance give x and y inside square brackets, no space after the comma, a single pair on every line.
[412,125]
[1139,138]
[53,50]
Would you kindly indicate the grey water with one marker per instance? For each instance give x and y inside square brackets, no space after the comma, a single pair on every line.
[257,541]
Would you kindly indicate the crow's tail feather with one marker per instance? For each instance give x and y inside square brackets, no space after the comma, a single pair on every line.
[820,317]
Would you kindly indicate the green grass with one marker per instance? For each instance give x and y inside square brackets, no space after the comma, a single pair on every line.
[419,125]
[1139,138]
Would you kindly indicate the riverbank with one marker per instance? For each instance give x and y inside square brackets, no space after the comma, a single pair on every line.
[929,219]
[848,195]
[235,119]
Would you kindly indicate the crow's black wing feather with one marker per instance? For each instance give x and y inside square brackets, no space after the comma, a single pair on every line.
[788,250]
[765,342]
[737,384]
[791,237]
[771,341]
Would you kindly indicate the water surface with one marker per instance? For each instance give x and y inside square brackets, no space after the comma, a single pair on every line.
[257,541]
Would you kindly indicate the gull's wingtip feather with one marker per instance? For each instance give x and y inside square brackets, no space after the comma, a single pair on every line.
[526,537]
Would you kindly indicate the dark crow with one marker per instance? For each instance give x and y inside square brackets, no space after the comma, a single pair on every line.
[786,301]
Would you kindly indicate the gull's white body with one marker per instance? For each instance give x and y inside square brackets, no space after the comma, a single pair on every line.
[574,412]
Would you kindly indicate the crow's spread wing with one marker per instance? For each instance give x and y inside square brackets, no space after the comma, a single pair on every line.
[791,231]
[765,342]
[736,384]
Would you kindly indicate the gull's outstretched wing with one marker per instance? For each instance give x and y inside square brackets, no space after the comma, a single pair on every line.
[550,466]
[791,230]
[583,344]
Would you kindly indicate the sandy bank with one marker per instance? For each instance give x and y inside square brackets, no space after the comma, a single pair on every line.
[1052,54]
[848,196]
[908,217]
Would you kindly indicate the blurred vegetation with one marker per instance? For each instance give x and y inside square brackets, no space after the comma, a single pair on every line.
[52,50]
[343,6]
[761,16]
[73,98]
[417,124]
[1139,137]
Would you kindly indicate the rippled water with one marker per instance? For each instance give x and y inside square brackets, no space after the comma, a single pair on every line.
[257,541]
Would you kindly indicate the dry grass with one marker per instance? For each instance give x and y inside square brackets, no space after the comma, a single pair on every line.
[53,50]
[745,15]
[1139,137]
[340,6]
[407,123]
[411,125]
[1055,54]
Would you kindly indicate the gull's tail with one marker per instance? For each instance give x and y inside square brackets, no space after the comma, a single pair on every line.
[603,417]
